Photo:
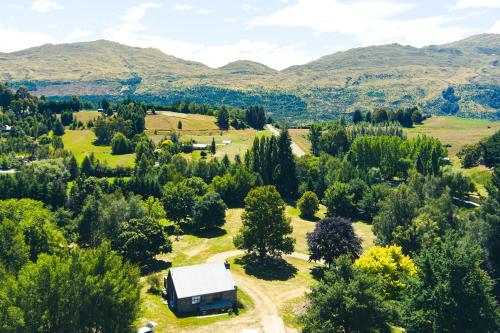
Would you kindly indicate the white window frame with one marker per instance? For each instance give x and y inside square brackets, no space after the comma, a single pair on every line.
[195,299]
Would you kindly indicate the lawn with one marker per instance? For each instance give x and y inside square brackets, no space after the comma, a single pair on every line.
[455,131]
[81,144]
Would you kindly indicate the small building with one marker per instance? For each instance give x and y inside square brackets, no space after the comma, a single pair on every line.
[204,288]
[226,142]
[200,146]
[5,128]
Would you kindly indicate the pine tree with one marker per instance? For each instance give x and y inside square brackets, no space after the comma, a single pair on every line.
[213,148]
[286,176]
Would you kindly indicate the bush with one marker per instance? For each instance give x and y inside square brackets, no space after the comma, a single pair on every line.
[154,282]
[308,204]
[209,211]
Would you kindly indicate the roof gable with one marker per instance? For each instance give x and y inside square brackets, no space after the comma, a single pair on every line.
[201,279]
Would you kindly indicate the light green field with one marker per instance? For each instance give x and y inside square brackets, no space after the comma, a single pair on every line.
[455,131]
[80,143]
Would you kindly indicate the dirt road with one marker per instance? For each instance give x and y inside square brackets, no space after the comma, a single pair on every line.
[296,150]
[267,311]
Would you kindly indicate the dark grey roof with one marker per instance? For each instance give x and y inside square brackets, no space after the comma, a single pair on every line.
[202,279]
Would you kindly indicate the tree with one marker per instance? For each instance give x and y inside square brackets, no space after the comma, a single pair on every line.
[314,138]
[213,148]
[105,299]
[223,118]
[73,168]
[14,252]
[178,201]
[491,150]
[379,116]
[369,203]
[58,128]
[265,228]
[339,200]
[417,116]
[179,125]
[346,300]
[470,155]
[451,292]
[209,211]
[331,238]
[285,173]
[357,116]
[391,266]
[120,144]
[140,240]
[396,212]
[308,204]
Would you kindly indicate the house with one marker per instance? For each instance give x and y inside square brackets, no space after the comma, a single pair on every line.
[5,128]
[200,146]
[201,288]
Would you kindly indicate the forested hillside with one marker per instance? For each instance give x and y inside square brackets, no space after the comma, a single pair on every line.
[461,78]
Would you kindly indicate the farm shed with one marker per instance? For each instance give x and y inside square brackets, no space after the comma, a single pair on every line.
[201,288]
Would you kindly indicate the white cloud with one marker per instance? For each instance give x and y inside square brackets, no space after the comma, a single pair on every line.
[495,29]
[190,8]
[370,22]
[461,4]
[136,13]
[13,40]
[76,35]
[15,6]
[44,6]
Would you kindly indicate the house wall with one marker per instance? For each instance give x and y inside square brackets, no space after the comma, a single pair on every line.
[184,305]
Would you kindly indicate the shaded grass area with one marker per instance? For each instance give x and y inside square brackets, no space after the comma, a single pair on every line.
[81,144]
[268,268]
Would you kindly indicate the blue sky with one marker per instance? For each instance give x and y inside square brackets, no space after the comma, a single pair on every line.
[278,33]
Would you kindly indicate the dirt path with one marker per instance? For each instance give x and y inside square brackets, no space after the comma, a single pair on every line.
[296,150]
[267,311]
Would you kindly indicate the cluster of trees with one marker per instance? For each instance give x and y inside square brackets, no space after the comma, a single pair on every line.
[486,151]
[405,117]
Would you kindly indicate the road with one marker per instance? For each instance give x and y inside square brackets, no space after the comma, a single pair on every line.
[268,312]
[296,150]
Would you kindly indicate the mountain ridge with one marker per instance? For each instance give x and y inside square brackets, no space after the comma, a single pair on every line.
[390,75]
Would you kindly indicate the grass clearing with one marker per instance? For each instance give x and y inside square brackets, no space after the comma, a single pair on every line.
[85,116]
[81,144]
[455,131]
[300,137]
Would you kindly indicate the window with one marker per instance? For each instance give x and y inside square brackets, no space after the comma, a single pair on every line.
[195,299]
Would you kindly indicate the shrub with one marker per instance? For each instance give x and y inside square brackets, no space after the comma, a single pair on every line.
[308,204]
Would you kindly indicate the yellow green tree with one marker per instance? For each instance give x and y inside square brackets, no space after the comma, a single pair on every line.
[391,265]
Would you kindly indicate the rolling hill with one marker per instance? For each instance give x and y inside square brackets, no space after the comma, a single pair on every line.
[390,76]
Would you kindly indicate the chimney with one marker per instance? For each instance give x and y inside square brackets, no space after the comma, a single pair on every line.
[227,265]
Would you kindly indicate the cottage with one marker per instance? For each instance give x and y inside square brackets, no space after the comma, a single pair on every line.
[200,146]
[201,288]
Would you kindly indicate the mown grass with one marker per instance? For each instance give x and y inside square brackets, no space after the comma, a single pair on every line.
[85,116]
[81,144]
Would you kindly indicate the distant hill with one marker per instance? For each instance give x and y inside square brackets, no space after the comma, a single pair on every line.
[390,76]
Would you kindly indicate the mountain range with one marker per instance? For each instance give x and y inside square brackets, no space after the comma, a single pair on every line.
[389,76]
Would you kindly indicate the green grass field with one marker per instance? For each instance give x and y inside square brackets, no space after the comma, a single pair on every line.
[85,116]
[201,129]
[80,143]
[455,131]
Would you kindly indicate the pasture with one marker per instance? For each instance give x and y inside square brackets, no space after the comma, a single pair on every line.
[81,144]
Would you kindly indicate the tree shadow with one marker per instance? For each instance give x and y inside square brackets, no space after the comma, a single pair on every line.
[155,266]
[310,218]
[206,233]
[318,272]
[269,268]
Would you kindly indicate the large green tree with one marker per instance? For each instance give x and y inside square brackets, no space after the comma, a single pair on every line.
[266,229]
[451,293]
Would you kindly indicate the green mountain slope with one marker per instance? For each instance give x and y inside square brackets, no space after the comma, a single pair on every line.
[390,76]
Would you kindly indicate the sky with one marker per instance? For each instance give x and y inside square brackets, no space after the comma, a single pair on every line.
[278,33]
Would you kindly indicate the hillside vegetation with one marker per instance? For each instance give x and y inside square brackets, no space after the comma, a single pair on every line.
[390,76]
